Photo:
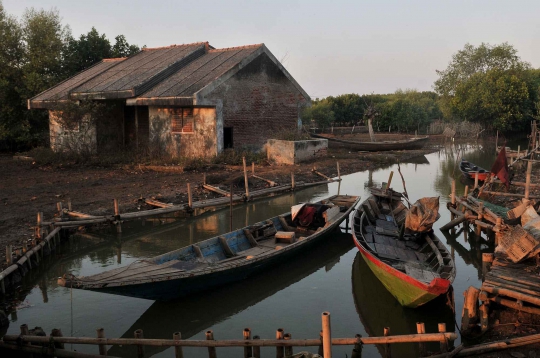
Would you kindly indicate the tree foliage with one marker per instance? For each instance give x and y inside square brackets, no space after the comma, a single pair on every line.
[320,114]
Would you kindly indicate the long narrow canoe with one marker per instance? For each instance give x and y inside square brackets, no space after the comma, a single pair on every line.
[470,170]
[220,260]
[406,144]
[414,268]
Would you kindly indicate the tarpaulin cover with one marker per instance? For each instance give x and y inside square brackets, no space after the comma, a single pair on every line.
[500,168]
[422,214]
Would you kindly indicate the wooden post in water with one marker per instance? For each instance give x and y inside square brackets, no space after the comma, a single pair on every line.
[39,229]
[117,216]
[178,352]
[189,196]
[444,345]
[140,348]
[256,349]
[288,349]
[338,172]
[327,335]
[386,333]
[9,254]
[292,181]
[421,329]
[246,181]
[211,350]
[528,180]
[279,350]
[248,351]
[102,347]
[453,197]
[321,351]
[357,350]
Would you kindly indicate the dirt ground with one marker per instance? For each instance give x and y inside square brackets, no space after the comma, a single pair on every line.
[27,188]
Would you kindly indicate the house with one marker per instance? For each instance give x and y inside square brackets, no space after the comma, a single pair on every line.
[188,100]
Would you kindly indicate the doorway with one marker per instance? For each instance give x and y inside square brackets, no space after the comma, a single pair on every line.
[227,137]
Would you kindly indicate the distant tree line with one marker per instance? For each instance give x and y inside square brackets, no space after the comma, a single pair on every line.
[37,52]
[487,84]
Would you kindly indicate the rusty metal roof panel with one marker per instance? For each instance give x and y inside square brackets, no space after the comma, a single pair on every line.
[61,91]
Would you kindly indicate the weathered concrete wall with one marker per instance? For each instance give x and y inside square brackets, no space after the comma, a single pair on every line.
[259,101]
[202,142]
[81,140]
[293,152]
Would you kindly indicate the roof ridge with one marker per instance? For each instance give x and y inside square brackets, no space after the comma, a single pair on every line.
[114,59]
[236,47]
[174,45]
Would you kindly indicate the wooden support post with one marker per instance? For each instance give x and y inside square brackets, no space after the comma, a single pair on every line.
[390,180]
[252,168]
[487,260]
[211,350]
[484,317]
[140,348]
[59,209]
[321,351]
[327,335]
[56,332]
[9,254]
[204,178]
[338,172]
[421,329]
[102,347]
[444,344]
[528,180]
[189,196]
[117,216]
[24,329]
[230,210]
[469,316]
[387,352]
[292,181]
[39,229]
[178,352]
[248,351]
[69,204]
[466,193]
[480,217]
[453,195]
[288,349]
[475,180]
[357,350]
[498,233]
[279,350]
[256,349]
[246,181]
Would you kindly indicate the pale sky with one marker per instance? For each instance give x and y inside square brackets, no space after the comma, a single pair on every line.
[329,47]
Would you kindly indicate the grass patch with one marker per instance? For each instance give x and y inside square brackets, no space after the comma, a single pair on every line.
[234,157]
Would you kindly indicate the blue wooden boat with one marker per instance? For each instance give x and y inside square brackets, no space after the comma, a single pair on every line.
[223,259]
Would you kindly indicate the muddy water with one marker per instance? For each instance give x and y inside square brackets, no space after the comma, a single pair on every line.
[331,277]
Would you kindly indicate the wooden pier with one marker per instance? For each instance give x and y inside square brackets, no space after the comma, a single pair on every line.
[54,345]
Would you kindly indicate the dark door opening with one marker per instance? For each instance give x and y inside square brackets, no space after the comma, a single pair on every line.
[227,137]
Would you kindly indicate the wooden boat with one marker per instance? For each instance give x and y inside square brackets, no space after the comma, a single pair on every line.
[406,144]
[223,259]
[469,170]
[378,309]
[414,267]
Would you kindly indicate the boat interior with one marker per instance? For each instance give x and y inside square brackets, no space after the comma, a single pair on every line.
[236,247]
[381,231]
[467,167]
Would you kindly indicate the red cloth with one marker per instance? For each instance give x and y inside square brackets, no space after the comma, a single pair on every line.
[306,215]
[500,168]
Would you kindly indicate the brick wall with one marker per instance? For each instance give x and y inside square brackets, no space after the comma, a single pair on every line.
[259,101]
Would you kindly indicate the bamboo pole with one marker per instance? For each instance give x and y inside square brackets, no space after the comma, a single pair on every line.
[480,216]
[288,349]
[178,352]
[253,168]
[102,347]
[293,186]
[387,352]
[528,180]
[357,350]
[117,216]
[69,204]
[487,260]
[248,351]
[9,254]
[484,317]
[327,335]
[320,350]
[338,171]
[466,191]
[211,350]
[421,329]
[24,331]
[230,210]
[475,180]
[190,197]
[390,180]
[140,348]
[57,333]
[246,181]
[500,345]
[256,349]
[280,352]
[39,229]
[57,352]
[453,192]
[442,329]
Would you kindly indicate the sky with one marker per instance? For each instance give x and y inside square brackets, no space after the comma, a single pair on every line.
[329,47]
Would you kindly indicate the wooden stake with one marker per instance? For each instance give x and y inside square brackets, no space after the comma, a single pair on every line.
[117,216]
[140,347]
[442,329]
[69,204]
[338,172]
[292,181]
[389,180]
[466,193]
[288,349]
[190,197]
[248,351]
[453,192]
[204,178]
[102,347]
[211,350]
[327,335]
[39,229]
[357,350]
[386,333]
[280,353]
[9,254]
[246,181]
[252,168]
[178,352]
[528,180]
[475,180]
[256,349]
[498,233]
[421,329]
[230,209]
[484,317]
[321,351]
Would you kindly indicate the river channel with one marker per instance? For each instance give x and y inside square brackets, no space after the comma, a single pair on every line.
[331,277]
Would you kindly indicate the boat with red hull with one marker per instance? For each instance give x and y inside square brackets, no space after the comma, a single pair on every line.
[414,267]
[470,170]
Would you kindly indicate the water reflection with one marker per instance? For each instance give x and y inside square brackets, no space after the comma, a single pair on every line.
[195,313]
[377,309]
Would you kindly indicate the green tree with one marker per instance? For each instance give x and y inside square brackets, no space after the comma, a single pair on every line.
[89,49]
[320,113]
[122,48]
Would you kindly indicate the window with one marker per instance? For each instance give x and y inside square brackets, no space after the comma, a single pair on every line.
[182,120]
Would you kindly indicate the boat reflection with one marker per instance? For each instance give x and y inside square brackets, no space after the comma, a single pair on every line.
[377,309]
[195,313]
